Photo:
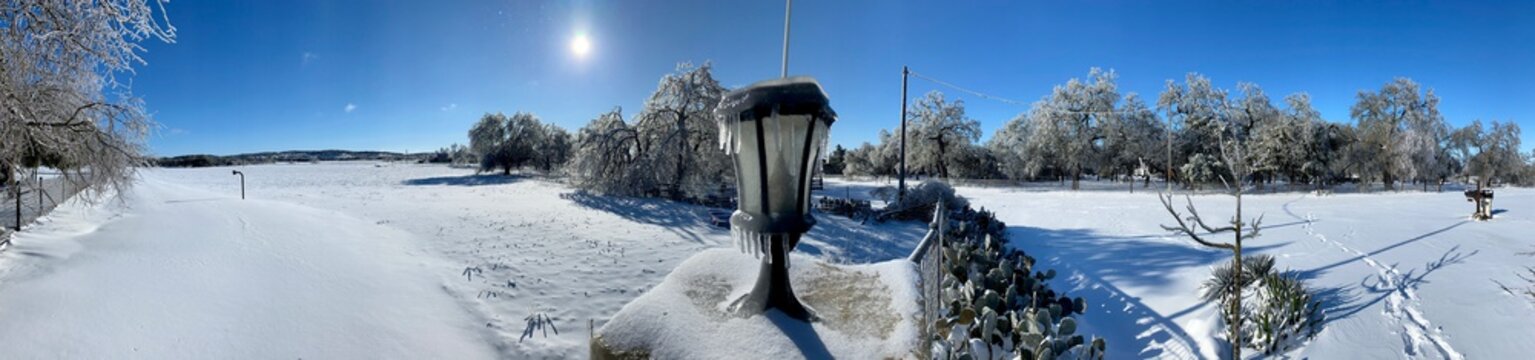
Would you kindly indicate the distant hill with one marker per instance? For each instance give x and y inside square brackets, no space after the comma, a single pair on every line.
[203,160]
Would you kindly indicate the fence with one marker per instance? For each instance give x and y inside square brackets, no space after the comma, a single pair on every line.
[37,198]
[929,259]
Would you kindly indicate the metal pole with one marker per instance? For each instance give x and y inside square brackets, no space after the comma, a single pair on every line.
[901,175]
[788,5]
[1168,177]
[242,182]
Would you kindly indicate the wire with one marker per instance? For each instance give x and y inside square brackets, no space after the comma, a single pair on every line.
[971,92]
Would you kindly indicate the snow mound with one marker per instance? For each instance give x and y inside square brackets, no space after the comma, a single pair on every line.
[866,312]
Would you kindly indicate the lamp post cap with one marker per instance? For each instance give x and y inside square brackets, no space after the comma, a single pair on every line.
[798,95]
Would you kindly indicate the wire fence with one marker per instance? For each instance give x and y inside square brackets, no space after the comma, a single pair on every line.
[928,257]
[36,198]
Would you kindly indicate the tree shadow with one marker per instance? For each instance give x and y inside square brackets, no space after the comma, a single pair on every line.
[849,241]
[1324,268]
[1097,266]
[1377,289]
[802,333]
[466,180]
[183,201]
[681,219]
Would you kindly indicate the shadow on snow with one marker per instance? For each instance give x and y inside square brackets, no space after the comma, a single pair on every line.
[466,180]
[1097,266]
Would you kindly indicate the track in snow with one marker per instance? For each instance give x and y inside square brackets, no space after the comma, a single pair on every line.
[1401,301]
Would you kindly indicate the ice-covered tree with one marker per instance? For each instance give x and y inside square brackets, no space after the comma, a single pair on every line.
[555,147]
[508,143]
[1488,152]
[606,156]
[1133,139]
[940,130]
[1232,147]
[1017,156]
[1072,120]
[61,102]
[678,119]
[1199,110]
[1400,125]
[1253,111]
[835,161]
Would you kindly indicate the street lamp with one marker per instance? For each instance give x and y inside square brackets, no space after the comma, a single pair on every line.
[776,130]
[242,182]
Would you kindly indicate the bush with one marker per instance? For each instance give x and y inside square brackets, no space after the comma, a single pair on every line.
[1277,308]
[920,200]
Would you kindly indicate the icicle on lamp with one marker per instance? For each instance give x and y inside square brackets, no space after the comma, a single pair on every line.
[776,130]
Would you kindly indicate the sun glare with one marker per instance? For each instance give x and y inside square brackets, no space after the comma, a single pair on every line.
[580,45]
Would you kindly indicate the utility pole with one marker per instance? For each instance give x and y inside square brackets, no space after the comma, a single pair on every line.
[901,175]
[788,5]
[1168,177]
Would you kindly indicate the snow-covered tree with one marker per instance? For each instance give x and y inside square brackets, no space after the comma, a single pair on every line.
[555,147]
[1233,147]
[1401,125]
[508,143]
[678,119]
[940,131]
[1134,139]
[1199,111]
[1072,120]
[1245,116]
[1017,157]
[61,104]
[835,161]
[607,152]
[1488,153]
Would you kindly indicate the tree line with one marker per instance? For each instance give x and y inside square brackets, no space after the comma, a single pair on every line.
[1084,128]
[669,149]
[1087,127]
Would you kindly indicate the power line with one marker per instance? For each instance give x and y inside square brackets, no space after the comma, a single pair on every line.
[971,92]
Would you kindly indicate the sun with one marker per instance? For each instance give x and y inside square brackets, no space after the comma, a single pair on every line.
[580,45]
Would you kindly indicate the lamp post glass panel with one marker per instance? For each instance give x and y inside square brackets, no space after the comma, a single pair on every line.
[776,130]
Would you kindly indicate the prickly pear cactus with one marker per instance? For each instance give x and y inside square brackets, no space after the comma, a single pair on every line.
[998,304]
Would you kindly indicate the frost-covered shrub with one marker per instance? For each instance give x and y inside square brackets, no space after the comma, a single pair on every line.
[1278,309]
[1203,168]
[996,305]
[921,199]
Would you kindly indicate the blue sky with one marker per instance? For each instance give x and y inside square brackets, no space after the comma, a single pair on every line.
[249,76]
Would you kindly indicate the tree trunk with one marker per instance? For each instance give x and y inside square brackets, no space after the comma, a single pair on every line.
[1076,178]
[1386,180]
[1236,301]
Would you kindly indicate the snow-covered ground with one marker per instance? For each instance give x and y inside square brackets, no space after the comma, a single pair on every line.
[360,260]
[1401,275]
[501,249]
[865,311]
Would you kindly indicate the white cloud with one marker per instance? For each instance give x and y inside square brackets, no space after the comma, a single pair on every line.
[306,57]
[450,107]
[350,107]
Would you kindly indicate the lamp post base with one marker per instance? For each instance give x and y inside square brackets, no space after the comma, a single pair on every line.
[773,290]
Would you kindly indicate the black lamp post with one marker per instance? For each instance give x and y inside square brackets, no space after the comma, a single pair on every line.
[242,182]
[776,130]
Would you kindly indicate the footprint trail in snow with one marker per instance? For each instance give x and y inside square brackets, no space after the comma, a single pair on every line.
[1401,302]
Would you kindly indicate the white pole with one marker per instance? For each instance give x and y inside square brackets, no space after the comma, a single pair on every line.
[788,5]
